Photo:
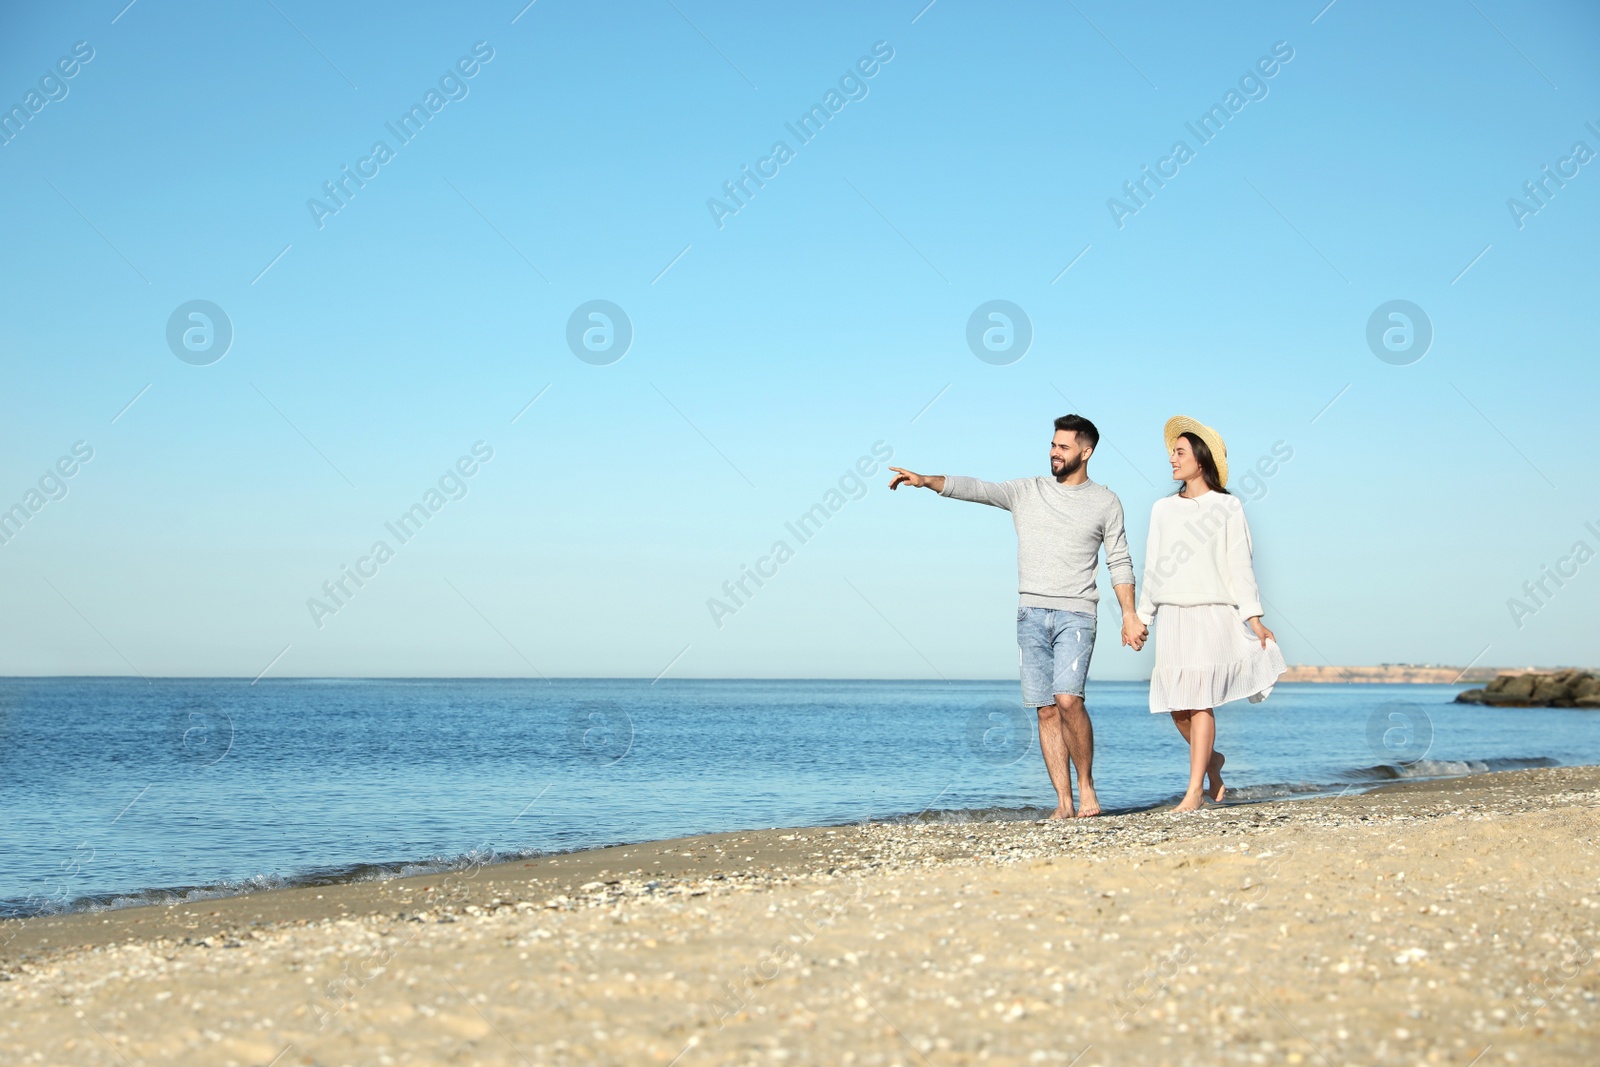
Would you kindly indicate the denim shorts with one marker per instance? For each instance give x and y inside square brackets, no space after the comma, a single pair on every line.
[1054,649]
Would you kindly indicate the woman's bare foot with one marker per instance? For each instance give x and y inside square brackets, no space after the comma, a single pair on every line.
[1214,787]
[1062,812]
[1191,802]
[1088,803]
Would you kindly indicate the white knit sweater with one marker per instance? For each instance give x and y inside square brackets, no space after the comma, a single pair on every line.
[1198,553]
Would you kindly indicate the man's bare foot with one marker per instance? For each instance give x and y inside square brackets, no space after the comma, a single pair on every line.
[1062,812]
[1191,802]
[1088,803]
[1214,787]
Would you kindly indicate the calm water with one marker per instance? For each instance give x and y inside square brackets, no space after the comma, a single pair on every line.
[116,792]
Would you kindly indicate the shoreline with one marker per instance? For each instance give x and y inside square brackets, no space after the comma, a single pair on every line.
[1464,674]
[1442,921]
[666,861]
[210,895]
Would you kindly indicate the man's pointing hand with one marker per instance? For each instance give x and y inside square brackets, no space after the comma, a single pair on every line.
[915,480]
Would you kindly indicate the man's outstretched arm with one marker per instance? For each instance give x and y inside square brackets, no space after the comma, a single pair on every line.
[957,487]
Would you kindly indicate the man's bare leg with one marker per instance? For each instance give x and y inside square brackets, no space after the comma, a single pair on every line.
[1080,745]
[1053,746]
[1214,787]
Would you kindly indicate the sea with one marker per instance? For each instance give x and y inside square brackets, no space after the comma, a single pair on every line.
[117,792]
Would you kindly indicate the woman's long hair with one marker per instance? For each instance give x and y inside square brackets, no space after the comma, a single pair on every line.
[1208,463]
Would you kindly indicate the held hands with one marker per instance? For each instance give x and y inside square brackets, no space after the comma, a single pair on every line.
[1262,633]
[1134,632]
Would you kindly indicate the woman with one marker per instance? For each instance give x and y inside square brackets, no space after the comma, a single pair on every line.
[1199,580]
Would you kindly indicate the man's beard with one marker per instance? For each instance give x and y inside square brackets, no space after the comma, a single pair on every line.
[1069,467]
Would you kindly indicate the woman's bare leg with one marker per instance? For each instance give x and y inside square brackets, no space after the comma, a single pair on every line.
[1202,734]
[1214,787]
[1180,719]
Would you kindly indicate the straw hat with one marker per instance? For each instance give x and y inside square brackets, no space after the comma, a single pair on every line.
[1179,424]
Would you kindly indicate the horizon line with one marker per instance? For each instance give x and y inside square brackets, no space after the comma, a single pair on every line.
[1011,680]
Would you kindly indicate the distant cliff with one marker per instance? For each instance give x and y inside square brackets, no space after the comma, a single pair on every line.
[1571,688]
[1392,673]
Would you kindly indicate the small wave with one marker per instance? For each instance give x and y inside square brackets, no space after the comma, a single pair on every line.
[30,908]
[1273,791]
[1430,768]
[1365,778]
[946,816]
[169,896]
[166,896]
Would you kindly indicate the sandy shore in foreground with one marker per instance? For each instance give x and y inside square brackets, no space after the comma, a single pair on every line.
[1448,922]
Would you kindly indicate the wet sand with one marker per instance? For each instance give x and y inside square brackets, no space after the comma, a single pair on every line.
[1447,922]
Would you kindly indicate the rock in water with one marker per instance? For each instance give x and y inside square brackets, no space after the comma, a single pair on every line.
[1569,688]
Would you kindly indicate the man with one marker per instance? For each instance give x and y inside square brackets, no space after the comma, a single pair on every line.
[1062,522]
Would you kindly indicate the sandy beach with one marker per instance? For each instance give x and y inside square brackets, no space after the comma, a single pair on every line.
[1447,922]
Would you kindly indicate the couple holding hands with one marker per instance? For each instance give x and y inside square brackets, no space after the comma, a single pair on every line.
[1211,648]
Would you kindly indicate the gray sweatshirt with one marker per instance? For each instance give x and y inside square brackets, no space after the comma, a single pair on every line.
[1060,529]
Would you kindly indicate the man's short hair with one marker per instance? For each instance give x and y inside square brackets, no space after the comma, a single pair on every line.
[1080,426]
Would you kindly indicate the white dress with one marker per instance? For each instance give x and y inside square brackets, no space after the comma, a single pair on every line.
[1199,588]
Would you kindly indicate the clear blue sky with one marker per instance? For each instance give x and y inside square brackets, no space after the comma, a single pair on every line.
[370,353]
